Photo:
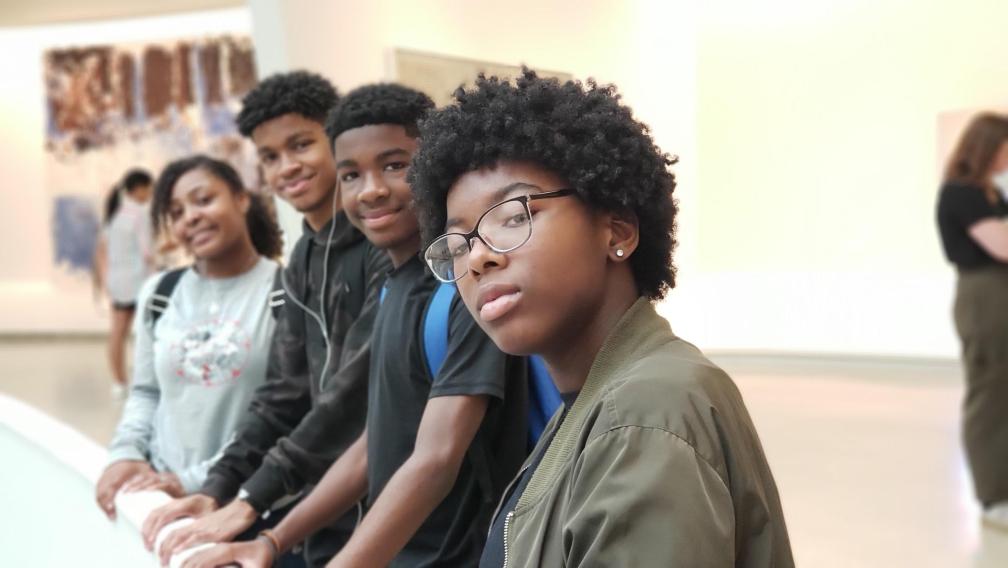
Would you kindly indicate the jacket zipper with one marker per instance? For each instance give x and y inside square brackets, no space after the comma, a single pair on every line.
[504,497]
[507,525]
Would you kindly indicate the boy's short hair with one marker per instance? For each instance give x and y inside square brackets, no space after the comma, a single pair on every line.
[380,103]
[583,134]
[301,92]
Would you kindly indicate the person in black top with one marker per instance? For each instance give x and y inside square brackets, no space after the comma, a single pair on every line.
[439,449]
[971,208]
[314,402]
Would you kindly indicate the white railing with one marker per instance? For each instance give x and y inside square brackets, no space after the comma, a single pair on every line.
[82,458]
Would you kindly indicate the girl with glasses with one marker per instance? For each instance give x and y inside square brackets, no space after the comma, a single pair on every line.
[551,209]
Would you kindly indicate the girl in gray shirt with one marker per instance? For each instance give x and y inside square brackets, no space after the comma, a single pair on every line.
[199,360]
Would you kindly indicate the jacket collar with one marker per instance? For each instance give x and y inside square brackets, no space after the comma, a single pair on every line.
[638,332]
[343,233]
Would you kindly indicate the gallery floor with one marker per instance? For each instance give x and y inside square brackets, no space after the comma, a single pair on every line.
[866,452]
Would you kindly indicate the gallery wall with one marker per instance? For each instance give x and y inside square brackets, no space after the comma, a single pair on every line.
[807,132]
[32,297]
[818,127]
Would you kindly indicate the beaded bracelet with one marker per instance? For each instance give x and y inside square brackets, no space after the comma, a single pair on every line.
[269,538]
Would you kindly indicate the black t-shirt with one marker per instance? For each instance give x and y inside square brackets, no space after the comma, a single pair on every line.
[493,552]
[959,208]
[399,387]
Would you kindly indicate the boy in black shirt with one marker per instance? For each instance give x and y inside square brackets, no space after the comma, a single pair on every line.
[437,450]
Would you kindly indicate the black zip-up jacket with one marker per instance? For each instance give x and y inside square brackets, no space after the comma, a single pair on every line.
[294,430]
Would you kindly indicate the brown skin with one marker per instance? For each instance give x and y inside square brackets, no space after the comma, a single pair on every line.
[196,505]
[372,163]
[298,166]
[208,219]
[113,478]
[571,286]
[219,525]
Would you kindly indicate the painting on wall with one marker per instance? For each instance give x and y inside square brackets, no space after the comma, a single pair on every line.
[440,75]
[110,108]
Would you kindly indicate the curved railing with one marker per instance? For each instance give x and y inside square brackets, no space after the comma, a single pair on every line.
[50,517]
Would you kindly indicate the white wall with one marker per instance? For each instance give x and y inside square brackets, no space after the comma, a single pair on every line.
[30,299]
[646,47]
[818,169]
[807,132]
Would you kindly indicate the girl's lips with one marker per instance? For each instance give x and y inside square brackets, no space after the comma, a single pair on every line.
[499,306]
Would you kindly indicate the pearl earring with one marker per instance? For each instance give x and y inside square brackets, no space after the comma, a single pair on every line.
[619,253]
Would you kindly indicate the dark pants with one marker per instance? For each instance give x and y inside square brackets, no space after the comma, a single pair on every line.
[981,318]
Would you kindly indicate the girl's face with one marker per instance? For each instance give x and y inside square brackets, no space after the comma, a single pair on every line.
[141,194]
[538,297]
[205,216]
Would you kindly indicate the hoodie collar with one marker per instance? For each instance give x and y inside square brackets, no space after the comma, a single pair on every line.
[343,233]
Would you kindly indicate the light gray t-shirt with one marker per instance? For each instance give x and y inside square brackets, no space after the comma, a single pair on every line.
[195,372]
[128,237]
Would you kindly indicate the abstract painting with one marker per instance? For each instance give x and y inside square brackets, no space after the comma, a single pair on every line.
[110,108]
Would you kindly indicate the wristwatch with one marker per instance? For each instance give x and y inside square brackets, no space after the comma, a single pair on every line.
[243,495]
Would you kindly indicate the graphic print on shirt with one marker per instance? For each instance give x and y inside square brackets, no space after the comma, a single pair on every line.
[211,353]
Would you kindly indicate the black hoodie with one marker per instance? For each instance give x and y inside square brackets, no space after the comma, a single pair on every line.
[300,422]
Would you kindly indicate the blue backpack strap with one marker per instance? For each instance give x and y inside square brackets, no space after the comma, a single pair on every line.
[544,398]
[435,327]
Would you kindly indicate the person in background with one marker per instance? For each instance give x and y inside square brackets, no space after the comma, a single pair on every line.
[971,211]
[201,348]
[551,209]
[123,260]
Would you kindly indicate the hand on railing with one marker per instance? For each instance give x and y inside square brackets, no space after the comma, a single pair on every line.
[220,526]
[115,476]
[195,506]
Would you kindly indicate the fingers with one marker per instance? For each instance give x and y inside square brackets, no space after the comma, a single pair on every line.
[182,539]
[138,482]
[169,544]
[158,519]
[104,498]
[219,555]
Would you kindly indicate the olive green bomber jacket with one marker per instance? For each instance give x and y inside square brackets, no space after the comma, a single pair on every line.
[657,463]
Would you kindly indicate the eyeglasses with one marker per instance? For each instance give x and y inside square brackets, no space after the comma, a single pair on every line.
[502,228]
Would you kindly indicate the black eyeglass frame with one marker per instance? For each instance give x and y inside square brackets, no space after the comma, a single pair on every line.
[474,234]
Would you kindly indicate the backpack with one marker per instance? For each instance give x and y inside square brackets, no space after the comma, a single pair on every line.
[161,298]
[543,396]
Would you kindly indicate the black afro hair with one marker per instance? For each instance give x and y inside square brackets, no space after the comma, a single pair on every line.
[381,103]
[301,92]
[581,133]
